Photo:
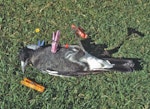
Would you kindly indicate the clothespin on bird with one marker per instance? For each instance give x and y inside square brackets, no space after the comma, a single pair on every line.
[32,85]
[41,43]
[55,41]
[79,31]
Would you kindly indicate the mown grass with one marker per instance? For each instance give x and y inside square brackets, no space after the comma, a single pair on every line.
[106,22]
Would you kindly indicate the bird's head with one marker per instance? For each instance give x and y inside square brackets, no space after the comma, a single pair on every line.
[24,56]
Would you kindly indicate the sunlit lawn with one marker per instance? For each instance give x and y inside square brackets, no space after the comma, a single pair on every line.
[106,22]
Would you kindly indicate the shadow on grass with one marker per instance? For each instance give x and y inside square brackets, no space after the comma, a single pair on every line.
[134,31]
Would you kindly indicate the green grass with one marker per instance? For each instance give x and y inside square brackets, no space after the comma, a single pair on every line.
[105,21]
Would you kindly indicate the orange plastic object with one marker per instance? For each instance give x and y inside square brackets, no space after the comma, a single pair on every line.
[79,31]
[32,85]
[66,45]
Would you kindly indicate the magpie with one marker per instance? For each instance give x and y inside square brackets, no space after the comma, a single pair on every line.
[71,61]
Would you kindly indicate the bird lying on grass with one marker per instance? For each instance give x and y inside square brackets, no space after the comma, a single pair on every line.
[72,61]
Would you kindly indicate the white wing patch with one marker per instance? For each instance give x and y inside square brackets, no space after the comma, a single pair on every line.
[95,63]
[54,73]
[33,47]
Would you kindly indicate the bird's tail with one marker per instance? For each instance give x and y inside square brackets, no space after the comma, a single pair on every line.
[122,65]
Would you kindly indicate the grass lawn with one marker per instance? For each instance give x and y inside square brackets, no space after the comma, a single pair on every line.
[106,22]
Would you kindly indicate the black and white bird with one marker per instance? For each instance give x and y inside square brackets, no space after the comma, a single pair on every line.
[72,61]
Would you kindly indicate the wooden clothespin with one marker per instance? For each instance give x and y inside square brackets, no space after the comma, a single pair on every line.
[32,85]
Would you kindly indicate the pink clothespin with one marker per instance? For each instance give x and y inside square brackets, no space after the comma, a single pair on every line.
[55,41]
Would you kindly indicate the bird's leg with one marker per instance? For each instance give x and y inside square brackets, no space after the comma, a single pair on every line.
[80,44]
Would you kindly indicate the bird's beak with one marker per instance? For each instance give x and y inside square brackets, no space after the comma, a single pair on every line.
[23,65]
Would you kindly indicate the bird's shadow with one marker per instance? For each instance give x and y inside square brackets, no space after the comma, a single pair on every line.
[98,50]
[134,31]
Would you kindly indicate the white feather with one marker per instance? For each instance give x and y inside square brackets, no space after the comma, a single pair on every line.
[33,46]
[54,73]
[95,63]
